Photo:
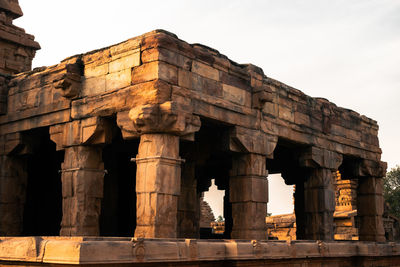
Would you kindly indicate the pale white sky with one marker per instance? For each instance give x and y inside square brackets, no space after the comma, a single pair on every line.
[344,50]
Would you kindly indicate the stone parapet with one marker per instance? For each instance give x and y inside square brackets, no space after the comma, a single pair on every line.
[190,252]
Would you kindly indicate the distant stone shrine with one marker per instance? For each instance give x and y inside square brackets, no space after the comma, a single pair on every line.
[122,141]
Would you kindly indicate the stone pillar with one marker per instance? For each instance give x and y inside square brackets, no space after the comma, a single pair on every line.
[370,209]
[188,204]
[13,182]
[370,202]
[248,193]
[319,194]
[319,205]
[82,190]
[157,185]
[370,205]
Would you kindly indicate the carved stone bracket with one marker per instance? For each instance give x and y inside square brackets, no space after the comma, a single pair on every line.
[261,93]
[245,140]
[315,157]
[370,168]
[92,131]
[70,81]
[15,144]
[167,117]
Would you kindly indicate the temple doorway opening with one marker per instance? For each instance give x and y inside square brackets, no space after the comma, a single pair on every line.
[118,207]
[43,206]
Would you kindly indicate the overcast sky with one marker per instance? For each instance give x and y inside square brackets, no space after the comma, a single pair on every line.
[346,51]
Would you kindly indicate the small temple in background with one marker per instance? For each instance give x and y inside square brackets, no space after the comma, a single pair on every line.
[283,226]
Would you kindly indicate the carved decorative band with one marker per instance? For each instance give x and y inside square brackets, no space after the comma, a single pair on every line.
[83,169]
[167,160]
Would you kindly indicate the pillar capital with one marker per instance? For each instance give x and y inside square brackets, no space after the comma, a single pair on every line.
[369,168]
[90,131]
[315,157]
[246,140]
[167,117]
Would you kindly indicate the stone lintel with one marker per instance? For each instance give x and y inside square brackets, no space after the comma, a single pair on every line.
[90,131]
[315,157]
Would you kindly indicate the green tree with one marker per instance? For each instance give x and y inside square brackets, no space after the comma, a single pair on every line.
[220,219]
[391,190]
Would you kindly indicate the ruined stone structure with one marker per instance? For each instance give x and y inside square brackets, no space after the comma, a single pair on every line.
[17,49]
[122,141]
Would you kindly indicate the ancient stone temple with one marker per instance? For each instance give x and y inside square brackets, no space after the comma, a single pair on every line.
[122,141]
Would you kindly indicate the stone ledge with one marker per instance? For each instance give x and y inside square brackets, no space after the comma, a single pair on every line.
[113,250]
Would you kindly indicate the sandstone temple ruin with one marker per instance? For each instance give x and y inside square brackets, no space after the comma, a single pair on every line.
[122,141]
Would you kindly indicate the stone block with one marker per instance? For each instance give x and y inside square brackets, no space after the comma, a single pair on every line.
[370,186]
[248,188]
[205,70]
[233,80]
[370,226]
[249,165]
[93,86]
[168,73]
[118,80]
[370,205]
[319,200]
[150,171]
[160,209]
[286,113]
[168,56]
[236,95]
[145,72]
[126,62]
[184,78]
[155,70]
[249,216]
[94,70]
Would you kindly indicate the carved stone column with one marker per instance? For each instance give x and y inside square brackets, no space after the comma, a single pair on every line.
[82,174]
[157,185]
[189,203]
[319,194]
[370,202]
[158,176]
[82,189]
[248,193]
[13,182]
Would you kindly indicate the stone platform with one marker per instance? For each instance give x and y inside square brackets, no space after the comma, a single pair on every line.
[123,251]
